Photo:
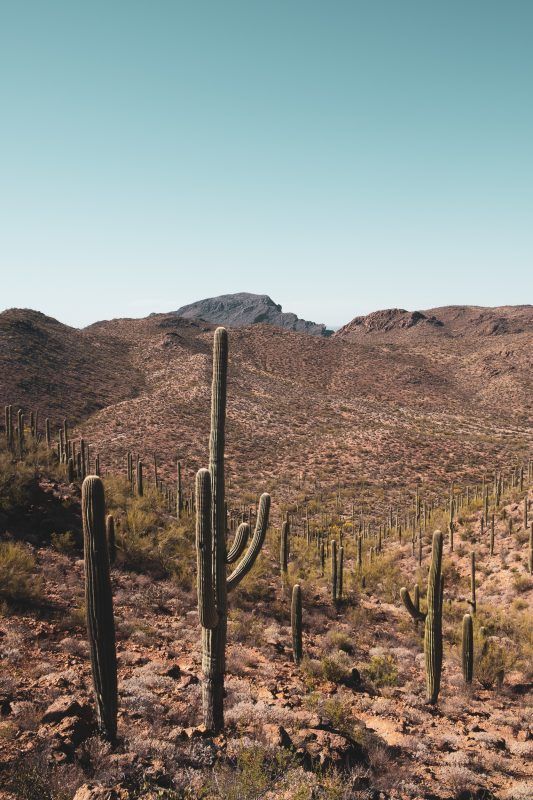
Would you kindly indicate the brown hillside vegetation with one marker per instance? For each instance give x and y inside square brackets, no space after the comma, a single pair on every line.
[427,401]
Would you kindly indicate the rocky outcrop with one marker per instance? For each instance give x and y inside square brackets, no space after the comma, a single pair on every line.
[242,309]
[390,319]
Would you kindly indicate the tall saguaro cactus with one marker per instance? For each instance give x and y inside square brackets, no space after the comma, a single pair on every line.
[99,604]
[433,629]
[212,556]
[433,619]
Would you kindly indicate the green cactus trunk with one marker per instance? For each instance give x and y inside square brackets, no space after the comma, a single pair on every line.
[99,605]
[467,648]
[179,498]
[334,571]
[296,623]
[284,549]
[433,629]
[139,479]
[340,577]
[472,600]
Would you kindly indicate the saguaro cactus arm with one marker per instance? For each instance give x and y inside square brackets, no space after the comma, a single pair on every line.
[204,551]
[255,546]
[416,614]
[239,543]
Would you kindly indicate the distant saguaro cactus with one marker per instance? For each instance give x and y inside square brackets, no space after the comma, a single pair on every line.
[111,540]
[99,605]
[296,623]
[139,479]
[212,558]
[179,496]
[333,557]
[284,548]
[467,648]
[340,577]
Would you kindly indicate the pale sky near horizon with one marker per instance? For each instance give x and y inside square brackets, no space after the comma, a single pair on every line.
[339,156]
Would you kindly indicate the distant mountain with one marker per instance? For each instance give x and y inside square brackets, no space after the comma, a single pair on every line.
[444,322]
[242,309]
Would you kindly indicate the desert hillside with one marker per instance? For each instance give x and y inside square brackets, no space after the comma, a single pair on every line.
[423,400]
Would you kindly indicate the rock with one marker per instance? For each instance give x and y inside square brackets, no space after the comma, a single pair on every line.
[196,732]
[317,747]
[156,773]
[71,732]
[65,707]
[174,672]
[277,736]
[95,791]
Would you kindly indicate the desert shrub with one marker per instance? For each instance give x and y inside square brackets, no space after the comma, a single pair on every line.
[340,641]
[255,770]
[338,710]
[521,583]
[383,577]
[64,542]
[18,582]
[332,670]
[15,481]
[492,662]
[382,671]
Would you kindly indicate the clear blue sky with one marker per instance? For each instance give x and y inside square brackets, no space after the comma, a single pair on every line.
[339,156]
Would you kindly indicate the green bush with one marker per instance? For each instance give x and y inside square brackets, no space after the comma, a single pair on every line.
[18,581]
[382,671]
[64,542]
